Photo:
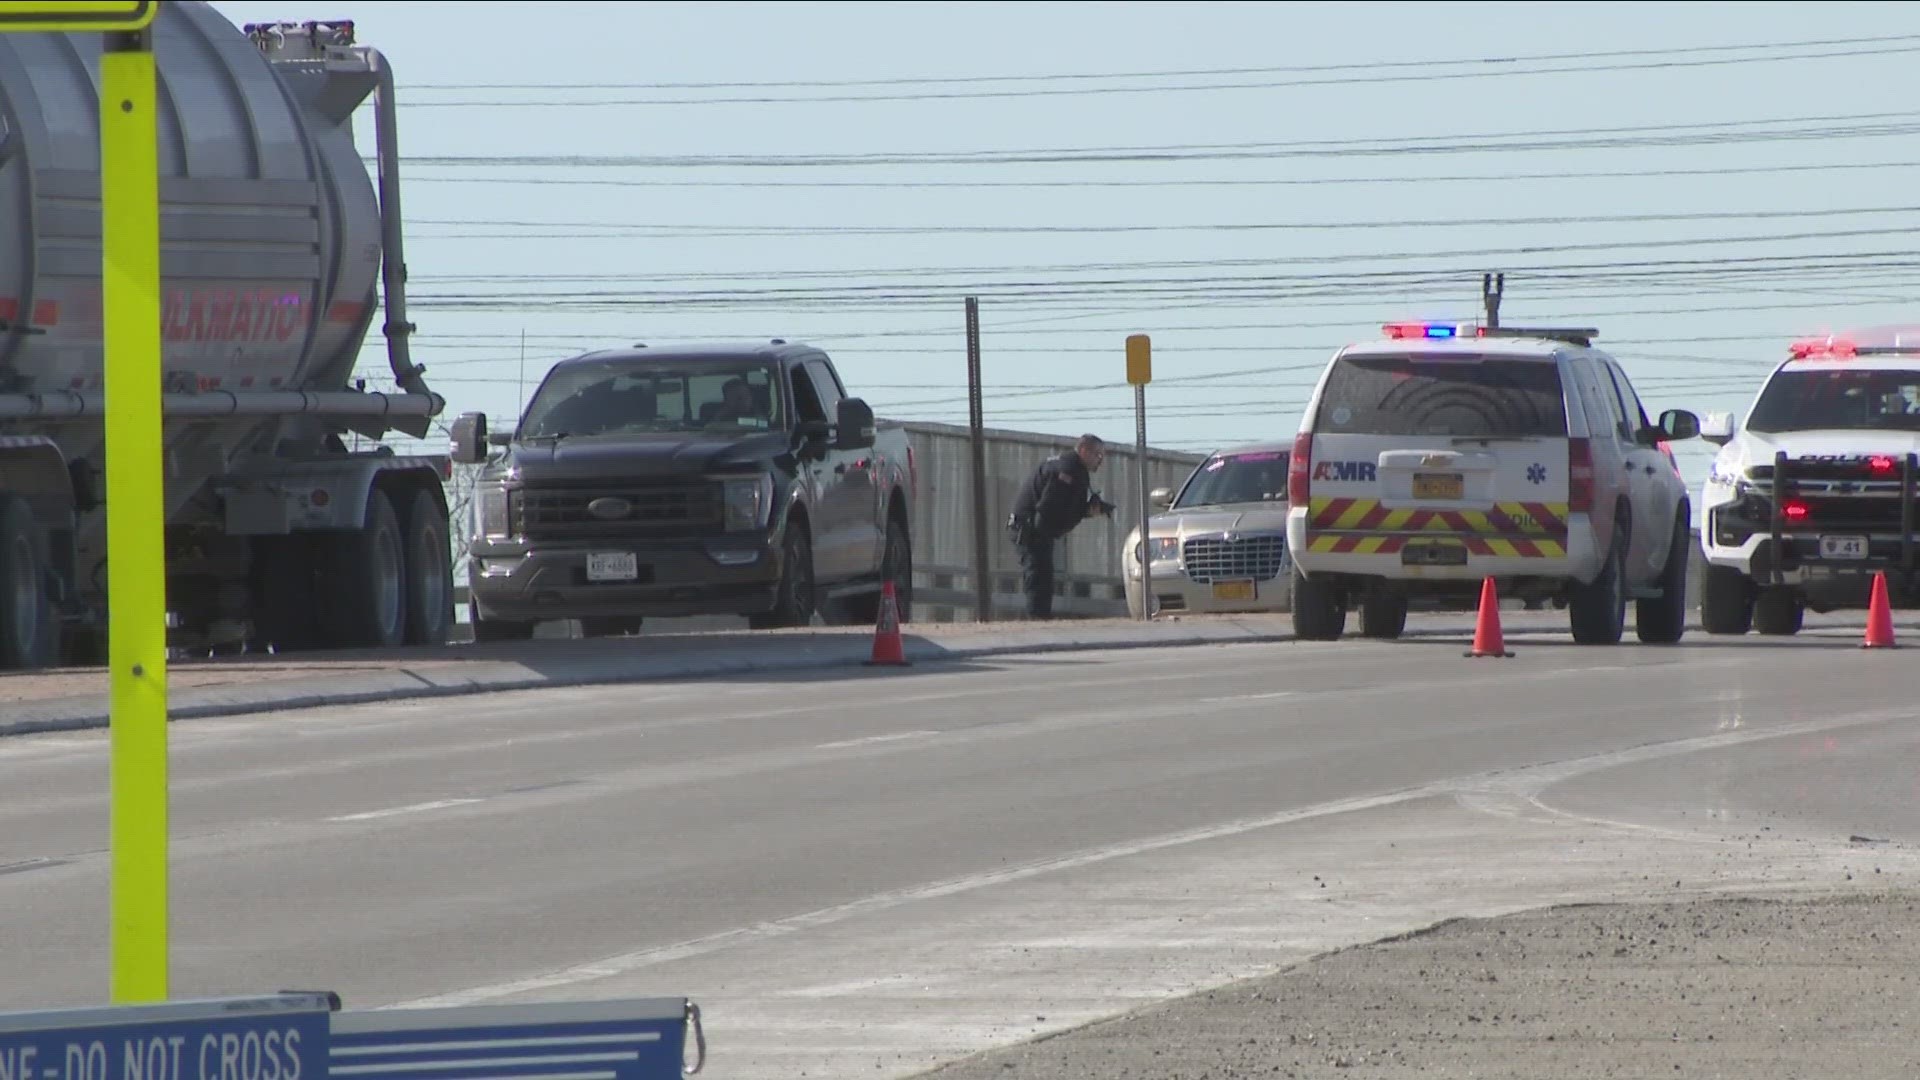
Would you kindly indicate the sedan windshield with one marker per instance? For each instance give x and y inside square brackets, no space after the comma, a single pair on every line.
[1237,478]
[1851,400]
[639,396]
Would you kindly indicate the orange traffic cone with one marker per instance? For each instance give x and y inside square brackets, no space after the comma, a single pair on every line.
[1487,639]
[1879,616]
[888,649]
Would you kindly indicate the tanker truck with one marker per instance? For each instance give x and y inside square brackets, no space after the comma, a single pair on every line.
[278,252]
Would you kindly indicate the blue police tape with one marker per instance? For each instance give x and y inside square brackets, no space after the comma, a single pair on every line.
[304,1036]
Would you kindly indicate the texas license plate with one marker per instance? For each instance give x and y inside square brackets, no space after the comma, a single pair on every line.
[1233,590]
[612,566]
[1438,485]
[1843,547]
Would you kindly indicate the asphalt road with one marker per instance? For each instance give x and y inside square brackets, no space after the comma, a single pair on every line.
[883,870]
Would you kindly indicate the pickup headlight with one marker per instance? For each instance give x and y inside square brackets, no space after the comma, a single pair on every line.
[749,500]
[490,513]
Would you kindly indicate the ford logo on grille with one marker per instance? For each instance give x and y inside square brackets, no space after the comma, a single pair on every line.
[610,508]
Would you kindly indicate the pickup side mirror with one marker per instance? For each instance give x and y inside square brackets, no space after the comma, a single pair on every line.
[1717,428]
[468,443]
[1679,424]
[856,429]
[1161,497]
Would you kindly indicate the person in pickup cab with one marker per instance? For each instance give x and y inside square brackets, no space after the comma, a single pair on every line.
[736,401]
[1058,497]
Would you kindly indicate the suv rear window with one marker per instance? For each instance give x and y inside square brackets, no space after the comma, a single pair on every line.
[1442,395]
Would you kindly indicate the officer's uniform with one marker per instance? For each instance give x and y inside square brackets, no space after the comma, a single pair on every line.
[1057,497]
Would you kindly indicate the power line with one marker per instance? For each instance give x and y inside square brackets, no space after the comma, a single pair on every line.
[1375,79]
[627,232]
[1291,181]
[1294,69]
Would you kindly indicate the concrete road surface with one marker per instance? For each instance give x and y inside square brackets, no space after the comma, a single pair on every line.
[876,871]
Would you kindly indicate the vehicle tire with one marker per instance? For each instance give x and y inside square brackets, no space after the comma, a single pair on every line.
[1778,612]
[29,631]
[896,565]
[793,604]
[599,626]
[1726,601]
[489,630]
[365,582]
[1598,611]
[1383,614]
[1319,609]
[1663,621]
[429,572]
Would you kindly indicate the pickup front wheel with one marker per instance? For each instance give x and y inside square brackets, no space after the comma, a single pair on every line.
[793,605]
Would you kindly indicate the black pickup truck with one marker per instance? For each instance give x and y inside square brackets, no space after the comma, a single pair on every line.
[695,480]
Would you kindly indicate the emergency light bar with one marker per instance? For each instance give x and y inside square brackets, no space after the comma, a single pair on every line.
[1832,348]
[1572,335]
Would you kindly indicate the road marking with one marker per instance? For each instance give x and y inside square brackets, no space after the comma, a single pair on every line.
[396,811]
[1523,781]
[871,739]
[1250,697]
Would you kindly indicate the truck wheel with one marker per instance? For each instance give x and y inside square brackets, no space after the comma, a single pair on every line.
[1319,609]
[485,630]
[1778,612]
[896,565]
[1664,621]
[366,580]
[1599,610]
[1383,614]
[794,604]
[29,636]
[429,573]
[1726,601]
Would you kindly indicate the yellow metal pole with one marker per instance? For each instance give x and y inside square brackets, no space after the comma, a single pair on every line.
[136,511]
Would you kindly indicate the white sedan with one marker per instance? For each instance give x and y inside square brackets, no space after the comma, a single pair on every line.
[1220,544]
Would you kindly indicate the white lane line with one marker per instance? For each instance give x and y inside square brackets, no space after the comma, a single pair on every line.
[1250,697]
[1524,781]
[871,739]
[396,811]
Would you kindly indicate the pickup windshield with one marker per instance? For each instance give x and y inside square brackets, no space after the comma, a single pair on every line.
[635,397]
[1236,478]
[1442,395]
[1849,400]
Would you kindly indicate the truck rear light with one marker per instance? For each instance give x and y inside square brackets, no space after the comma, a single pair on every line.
[1579,475]
[1299,474]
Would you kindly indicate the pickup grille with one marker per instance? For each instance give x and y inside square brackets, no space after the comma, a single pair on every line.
[1214,558]
[651,509]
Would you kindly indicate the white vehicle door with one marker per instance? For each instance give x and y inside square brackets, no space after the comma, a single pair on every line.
[1612,473]
[1657,480]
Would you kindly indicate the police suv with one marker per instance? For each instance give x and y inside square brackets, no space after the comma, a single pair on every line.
[1444,454]
[1817,494]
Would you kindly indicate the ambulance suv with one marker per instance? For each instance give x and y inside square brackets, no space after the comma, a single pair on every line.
[1802,508]
[1444,454]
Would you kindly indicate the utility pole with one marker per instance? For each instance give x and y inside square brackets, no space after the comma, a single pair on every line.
[976,424]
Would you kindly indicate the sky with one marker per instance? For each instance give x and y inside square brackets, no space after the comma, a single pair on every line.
[1253,185]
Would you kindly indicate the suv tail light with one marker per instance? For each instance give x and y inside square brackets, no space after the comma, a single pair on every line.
[1299,470]
[1579,475]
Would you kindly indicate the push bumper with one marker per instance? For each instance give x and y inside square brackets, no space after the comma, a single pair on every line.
[1839,532]
[551,580]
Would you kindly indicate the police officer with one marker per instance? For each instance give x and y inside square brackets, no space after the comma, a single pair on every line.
[1058,497]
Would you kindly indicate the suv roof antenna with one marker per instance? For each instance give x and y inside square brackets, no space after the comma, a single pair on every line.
[1492,288]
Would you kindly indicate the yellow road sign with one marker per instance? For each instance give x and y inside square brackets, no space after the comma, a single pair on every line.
[75,16]
[1139,360]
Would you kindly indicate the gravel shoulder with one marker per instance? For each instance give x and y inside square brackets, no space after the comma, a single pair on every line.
[1797,986]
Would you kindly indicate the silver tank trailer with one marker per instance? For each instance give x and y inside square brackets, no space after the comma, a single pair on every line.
[278,250]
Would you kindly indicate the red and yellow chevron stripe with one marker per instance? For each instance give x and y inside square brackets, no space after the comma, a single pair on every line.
[1367,515]
[1506,547]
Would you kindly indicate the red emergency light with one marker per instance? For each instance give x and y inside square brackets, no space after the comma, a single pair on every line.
[1796,510]
[1432,331]
[1882,465]
[1822,348]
